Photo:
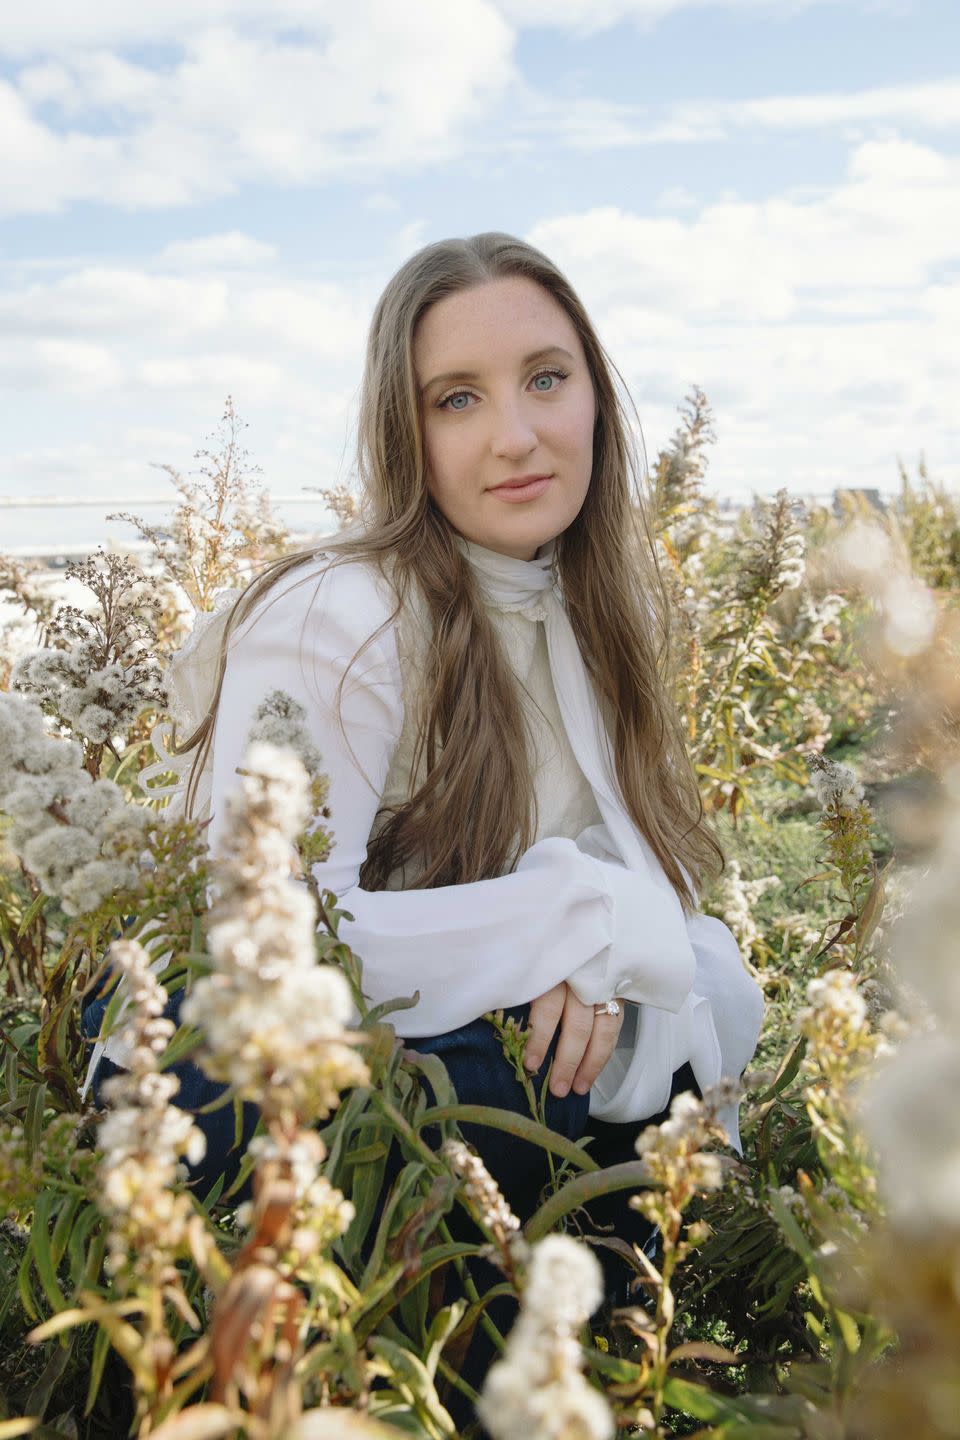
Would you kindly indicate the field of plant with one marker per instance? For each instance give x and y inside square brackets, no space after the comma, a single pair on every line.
[808,1290]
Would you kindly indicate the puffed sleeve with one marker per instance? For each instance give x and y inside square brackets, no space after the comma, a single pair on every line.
[466,949]
[715,1028]
[716,1032]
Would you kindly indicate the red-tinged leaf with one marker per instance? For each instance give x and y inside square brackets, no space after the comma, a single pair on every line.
[198,1422]
[872,910]
[704,1350]
[812,879]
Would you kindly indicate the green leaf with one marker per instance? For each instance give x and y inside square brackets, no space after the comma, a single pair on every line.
[25,1289]
[363,1184]
[699,1401]
[793,1235]
[95,1254]
[364,1154]
[76,1244]
[187,1039]
[514,1124]
[386,1007]
[63,1226]
[412,1310]
[442,1327]
[617,1370]
[789,1068]
[40,1249]
[39,1397]
[30,914]
[33,1120]
[580,1191]
[11,1071]
[404,1183]
[849,1329]
[98,1360]
[387,1296]
[371,1295]
[755,1430]
[434,1070]
[413,1377]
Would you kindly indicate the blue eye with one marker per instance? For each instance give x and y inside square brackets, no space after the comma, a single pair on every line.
[561,375]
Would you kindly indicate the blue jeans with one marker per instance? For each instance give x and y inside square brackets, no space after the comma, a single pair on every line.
[480,1075]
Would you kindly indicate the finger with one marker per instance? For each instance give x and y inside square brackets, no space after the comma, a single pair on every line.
[545,1011]
[603,1042]
[576,1027]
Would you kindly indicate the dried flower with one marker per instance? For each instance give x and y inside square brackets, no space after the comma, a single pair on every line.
[737,900]
[836,785]
[538,1389]
[224,524]
[97,672]
[845,818]
[320,1213]
[273,1019]
[484,1196]
[143,1135]
[79,837]
[773,559]
[674,1156]
[282,721]
[834,1008]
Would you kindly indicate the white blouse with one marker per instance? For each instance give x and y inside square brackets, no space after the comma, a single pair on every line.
[569,911]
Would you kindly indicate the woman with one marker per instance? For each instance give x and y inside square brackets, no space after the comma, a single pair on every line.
[517,822]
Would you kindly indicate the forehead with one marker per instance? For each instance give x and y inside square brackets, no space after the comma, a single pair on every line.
[498,321]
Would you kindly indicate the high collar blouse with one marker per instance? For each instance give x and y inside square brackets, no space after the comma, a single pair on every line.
[565,802]
[570,910]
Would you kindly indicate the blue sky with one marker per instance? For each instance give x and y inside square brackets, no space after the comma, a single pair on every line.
[759,197]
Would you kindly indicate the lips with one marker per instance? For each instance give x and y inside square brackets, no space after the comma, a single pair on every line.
[520,482]
[517,492]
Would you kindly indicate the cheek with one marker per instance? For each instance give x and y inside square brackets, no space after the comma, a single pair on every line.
[578,426]
[445,465]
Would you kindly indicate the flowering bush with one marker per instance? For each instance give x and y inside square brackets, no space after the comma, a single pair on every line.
[798,1290]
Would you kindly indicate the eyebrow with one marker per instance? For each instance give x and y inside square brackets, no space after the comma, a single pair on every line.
[472,375]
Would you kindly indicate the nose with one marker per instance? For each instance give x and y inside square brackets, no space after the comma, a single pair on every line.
[513,433]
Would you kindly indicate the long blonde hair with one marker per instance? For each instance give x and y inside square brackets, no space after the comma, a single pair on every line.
[474,814]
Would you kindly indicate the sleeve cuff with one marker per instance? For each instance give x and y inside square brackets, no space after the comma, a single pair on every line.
[649,958]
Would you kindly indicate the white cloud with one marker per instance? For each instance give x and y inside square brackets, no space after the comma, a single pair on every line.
[592,123]
[893,220]
[821,326]
[117,301]
[55,364]
[242,104]
[230,250]
[61,26]
[588,17]
[817,329]
[296,93]
[211,370]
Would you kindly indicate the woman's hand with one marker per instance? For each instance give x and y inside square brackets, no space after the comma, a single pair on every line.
[586,1040]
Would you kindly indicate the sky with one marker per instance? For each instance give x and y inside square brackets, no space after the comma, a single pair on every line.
[205,198]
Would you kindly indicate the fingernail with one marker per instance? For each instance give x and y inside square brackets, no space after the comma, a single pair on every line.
[560,1088]
[581,1087]
[532,1062]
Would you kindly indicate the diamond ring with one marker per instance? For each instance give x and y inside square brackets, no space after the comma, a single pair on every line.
[607,1007]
